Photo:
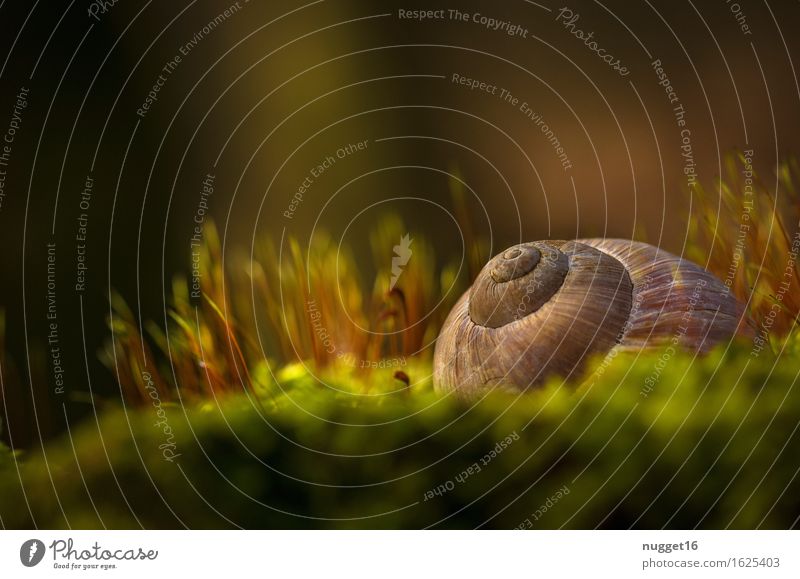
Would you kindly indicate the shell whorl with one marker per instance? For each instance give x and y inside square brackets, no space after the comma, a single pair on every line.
[516,283]
[543,308]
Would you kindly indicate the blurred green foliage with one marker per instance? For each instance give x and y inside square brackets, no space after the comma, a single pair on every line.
[6,457]
[713,445]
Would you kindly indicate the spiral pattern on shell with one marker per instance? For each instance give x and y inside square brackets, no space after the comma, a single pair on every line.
[543,308]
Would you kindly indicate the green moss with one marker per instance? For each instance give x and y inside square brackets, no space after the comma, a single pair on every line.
[713,444]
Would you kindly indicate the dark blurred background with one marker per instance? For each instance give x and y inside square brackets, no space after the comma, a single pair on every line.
[265,92]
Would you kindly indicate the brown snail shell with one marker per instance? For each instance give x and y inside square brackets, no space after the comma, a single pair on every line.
[543,308]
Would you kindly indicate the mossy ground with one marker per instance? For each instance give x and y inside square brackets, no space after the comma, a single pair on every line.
[713,445]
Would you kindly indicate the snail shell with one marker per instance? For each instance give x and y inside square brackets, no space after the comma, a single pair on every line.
[542,308]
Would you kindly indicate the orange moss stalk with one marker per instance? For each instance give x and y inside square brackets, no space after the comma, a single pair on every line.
[749,237]
[298,304]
